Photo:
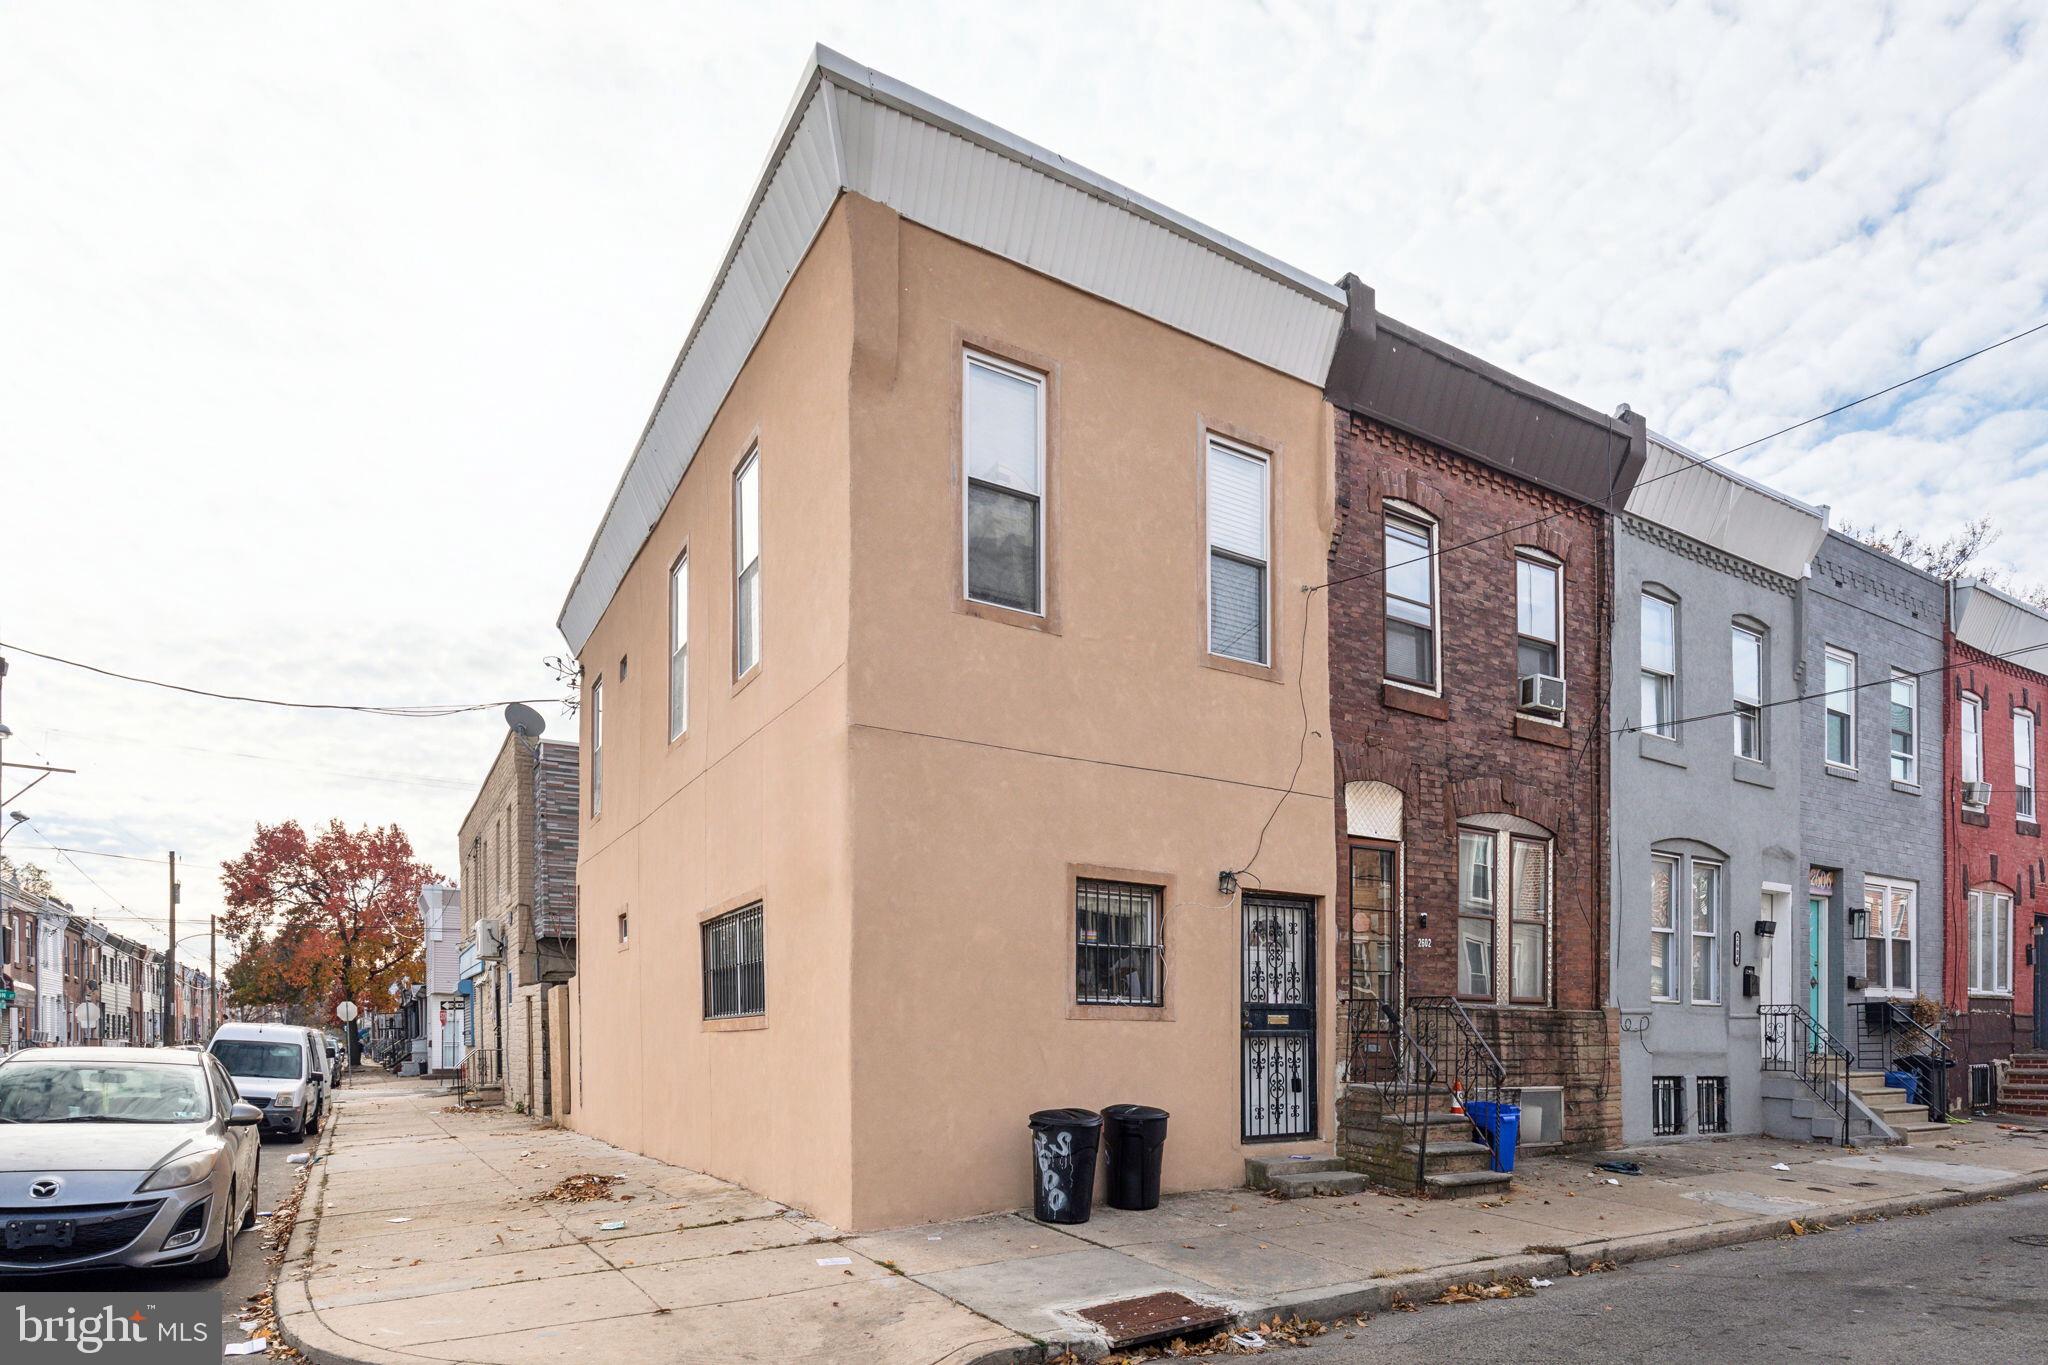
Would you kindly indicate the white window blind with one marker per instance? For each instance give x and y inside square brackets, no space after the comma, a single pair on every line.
[1237,553]
[1005,457]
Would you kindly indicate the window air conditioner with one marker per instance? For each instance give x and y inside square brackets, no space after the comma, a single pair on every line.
[1543,694]
[1976,793]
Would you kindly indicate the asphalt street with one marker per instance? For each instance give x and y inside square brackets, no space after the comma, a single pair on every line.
[1959,1283]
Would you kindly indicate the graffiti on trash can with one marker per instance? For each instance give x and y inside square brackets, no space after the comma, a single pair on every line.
[1055,1168]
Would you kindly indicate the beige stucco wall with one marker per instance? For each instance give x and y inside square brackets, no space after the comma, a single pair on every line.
[909,787]
[751,802]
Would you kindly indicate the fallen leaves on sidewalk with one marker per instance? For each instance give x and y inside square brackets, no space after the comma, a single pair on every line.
[462,1108]
[576,1189]
[1515,1288]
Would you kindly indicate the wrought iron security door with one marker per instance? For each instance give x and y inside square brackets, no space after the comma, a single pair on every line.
[1279,1017]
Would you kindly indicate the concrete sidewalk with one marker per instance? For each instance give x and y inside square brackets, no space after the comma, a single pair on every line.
[705,1271]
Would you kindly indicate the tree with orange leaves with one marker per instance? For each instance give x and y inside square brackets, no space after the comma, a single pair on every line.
[330,917]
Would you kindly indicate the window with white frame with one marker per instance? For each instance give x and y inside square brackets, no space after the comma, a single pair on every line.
[1892,910]
[1504,910]
[2023,764]
[1704,931]
[1539,589]
[1238,594]
[679,647]
[1410,574]
[1839,684]
[1660,665]
[1972,728]
[1905,727]
[1748,652]
[1003,427]
[597,747]
[746,565]
[1990,942]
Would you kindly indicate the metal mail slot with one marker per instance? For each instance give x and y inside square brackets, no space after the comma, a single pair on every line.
[1278,1019]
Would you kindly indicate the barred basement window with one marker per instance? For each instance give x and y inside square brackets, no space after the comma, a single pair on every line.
[1667,1105]
[735,981]
[1116,944]
[1711,1104]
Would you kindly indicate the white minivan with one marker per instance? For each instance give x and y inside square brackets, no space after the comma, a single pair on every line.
[274,1067]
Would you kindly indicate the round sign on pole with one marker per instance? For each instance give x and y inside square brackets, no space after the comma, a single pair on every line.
[88,1014]
[346,1011]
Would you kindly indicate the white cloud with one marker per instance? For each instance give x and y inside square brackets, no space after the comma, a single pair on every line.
[328,332]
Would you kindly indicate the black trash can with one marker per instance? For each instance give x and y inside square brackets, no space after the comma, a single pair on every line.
[1932,1074]
[1063,1143]
[1137,1144]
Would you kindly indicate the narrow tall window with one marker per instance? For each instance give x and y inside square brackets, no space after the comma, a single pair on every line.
[2023,764]
[1905,728]
[1705,933]
[1411,601]
[746,565]
[1667,1105]
[1475,914]
[1973,747]
[597,747]
[1238,495]
[1663,928]
[1710,1113]
[1003,426]
[1537,585]
[1749,692]
[735,980]
[679,648]
[1839,682]
[1660,666]
[1990,942]
[1890,906]
[1116,944]
[1529,922]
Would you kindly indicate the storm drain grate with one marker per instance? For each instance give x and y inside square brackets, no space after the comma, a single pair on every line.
[2032,1239]
[1153,1317]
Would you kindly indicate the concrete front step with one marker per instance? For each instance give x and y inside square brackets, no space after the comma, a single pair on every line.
[1260,1172]
[1305,1184]
[1920,1134]
[1448,1157]
[1466,1184]
[2033,1109]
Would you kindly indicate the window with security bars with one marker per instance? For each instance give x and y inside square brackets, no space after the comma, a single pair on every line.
[1710,1111]
[1117,944]
[1667,1105]
[735,983]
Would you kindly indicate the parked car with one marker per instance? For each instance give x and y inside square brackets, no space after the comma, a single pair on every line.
[273,1068]
[123,1156]
[324,1070]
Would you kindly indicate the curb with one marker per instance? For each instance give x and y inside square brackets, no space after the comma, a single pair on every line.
[1329,1302]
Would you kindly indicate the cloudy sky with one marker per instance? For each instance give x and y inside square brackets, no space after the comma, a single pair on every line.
[326,332]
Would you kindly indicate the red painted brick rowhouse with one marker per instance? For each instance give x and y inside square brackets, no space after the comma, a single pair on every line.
[1470,577]
[1996,900]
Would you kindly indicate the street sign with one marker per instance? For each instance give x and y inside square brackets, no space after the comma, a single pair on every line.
[346,1011]
[88,1014]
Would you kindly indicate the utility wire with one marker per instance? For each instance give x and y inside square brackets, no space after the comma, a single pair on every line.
[434,712]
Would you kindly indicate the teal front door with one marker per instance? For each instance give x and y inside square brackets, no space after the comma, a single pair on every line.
[1816,955]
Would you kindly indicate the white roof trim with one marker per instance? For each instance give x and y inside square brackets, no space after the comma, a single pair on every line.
[1719,507]
[853,129]
[1999,623]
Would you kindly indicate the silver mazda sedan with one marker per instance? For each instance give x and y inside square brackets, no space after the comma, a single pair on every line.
[123,1156]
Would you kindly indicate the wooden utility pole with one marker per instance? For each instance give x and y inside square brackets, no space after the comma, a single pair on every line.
[171,964]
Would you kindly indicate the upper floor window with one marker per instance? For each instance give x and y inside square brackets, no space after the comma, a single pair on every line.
[1660,665]
[1003,426]
[1972,727]
[679,647]
[2023,764]
[1749,692]
[746,565]
[1410,574]
[1905,727]
[596,749]
[1538,585]
[1990,942]
[1891,907]
[1840,685]
[1238,503]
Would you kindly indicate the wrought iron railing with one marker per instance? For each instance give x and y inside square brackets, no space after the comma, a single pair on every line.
[1409,1086]
[1798,1044]
[1466,1063]
[1888,1038]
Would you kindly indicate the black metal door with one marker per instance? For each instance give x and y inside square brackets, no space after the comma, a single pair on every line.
[1279,1026]
[2040,957]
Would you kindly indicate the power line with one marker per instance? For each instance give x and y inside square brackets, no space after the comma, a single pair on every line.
[1692,466]
[433,712]
[447,783]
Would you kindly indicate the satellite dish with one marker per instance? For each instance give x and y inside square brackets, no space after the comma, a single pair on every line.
[524,720]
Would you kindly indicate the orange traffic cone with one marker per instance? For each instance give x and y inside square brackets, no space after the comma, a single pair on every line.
[1457,1097]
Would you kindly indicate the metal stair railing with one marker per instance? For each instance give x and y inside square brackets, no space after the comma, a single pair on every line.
[1796,1043]
[1465,1060]
[1887,1035]
[1407,1087]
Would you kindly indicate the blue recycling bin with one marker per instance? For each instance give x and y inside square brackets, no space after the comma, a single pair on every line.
[1904,1080]
[1500,1127]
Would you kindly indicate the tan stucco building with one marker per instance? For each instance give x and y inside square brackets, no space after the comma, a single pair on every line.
[945,640]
